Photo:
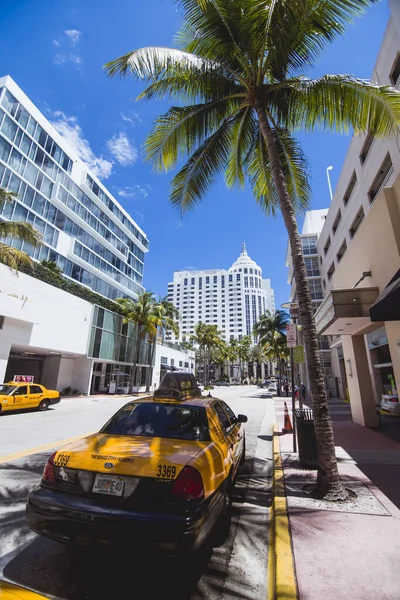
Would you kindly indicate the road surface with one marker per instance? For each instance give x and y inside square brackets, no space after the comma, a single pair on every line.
[237,569]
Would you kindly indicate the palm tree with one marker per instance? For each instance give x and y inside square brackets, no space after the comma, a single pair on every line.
[206,337]
[140,313]
[10,256]
[243,353]
[239,79]
[270,330]
[233,352]
[257,357]
[165,317]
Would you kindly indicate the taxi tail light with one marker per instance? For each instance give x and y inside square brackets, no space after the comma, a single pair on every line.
[49,475]
[188,485]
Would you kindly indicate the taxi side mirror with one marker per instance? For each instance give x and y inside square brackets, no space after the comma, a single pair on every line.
[242,418]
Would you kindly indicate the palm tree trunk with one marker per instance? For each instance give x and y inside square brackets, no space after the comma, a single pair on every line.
[134,368]
[204,366]
[150,372]
[329,485]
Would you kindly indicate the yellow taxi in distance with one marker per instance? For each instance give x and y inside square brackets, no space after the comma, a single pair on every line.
[11,591]
[159,474]
[21,395]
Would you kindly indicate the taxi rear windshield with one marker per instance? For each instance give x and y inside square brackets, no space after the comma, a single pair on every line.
[152,419]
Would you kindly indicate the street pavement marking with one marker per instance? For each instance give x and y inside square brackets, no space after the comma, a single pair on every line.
[9,457]
[281,566]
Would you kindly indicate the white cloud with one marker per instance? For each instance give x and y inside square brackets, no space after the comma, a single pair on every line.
[179,224]
[122,150]
[68,49]
[190,268]
[133,118]
[73,35]
[71,131]
[133,192]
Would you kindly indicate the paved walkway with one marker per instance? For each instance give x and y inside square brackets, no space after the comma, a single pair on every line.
[348,550]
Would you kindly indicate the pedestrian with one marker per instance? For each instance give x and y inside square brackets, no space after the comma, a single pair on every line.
[303,392]
[286,388]
[296,392]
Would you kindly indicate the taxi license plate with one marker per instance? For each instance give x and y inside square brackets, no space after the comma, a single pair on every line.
[111,485]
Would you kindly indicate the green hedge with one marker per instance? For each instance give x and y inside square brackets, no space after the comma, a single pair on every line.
[38,271]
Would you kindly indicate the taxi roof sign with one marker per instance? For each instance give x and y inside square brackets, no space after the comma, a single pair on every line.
[178,386]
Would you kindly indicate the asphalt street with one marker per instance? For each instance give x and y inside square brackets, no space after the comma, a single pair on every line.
[236,569]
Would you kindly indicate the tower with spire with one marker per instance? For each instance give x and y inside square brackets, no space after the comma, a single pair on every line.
[233,299]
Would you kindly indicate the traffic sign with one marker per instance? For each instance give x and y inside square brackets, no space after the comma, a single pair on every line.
[291,335]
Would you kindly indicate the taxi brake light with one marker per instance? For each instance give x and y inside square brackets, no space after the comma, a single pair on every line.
[49,475]
[188,485]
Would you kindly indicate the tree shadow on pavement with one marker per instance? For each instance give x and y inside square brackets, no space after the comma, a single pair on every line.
[97,573]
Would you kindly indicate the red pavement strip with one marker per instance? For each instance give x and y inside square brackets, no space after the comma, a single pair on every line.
[335,554]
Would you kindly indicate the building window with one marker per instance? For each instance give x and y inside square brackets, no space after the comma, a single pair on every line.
[222,280]
[350,188]
[336,222]
[327,245]
[381,179]
[215,279]
[192,281]
[207,280]
[180,363]
[312,267]
[185,282]
[238,277]
[341,251]
[164,360]
[395,74]
[331,271]
[357,222]
[309,245]
[366,148]
[172,362]
[315,289]
[200,282]
[324,284]
[244,271]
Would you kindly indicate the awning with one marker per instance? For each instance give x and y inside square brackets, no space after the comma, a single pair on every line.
[387,306]
[169,368]
[346,312]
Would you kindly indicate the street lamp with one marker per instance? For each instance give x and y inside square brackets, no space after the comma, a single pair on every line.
[329,180]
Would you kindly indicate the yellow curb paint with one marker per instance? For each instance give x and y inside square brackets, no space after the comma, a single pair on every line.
[9,457]
[271,541]
[281,569]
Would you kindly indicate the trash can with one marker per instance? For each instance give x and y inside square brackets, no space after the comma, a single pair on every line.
[306,437]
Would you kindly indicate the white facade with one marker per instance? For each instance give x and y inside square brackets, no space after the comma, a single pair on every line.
[85,231]
[232,299]
[52,335]
[370,165]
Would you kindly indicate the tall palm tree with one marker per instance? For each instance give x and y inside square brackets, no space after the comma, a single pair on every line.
[206,337]
[165,317]
[10,256]
[257,357]
[270,330]
[140,313]
[239,79]
[243,353]
[233,352]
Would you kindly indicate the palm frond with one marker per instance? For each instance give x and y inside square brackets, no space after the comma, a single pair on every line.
[340,103]
[300,30]
[242,134]
[195,178]
[6,196]
[13,258]
[20,231]
[182,129]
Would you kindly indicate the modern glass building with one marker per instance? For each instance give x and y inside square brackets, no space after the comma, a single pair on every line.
[85,231]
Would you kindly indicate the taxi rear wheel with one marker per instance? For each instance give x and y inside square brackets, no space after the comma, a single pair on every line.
[224,521]
[44,405]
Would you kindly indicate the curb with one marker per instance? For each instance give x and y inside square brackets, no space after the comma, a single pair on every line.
[282,583]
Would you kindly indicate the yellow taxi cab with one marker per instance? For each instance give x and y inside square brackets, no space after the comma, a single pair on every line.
[158,475]
[21,395]
[11,591]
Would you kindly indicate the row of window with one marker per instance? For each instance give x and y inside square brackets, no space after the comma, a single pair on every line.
[16,212]
[27,122]
[381,178]
[110,203]
[103,266]
[47,210]
[44,162]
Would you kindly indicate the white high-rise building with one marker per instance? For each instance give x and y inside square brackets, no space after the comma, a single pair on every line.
[232,299]
[85,231]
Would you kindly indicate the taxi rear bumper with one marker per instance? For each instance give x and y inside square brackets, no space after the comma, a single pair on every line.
[54,400]
[82,520]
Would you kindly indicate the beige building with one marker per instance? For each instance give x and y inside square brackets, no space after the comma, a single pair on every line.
[359,254]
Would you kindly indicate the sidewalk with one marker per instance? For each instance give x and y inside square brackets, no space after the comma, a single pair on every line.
[348,550]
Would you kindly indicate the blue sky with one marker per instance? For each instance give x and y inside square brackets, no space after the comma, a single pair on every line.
[55,51]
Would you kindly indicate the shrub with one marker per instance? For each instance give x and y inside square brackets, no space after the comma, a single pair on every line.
[208,387]
[66,391]
[75,392]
